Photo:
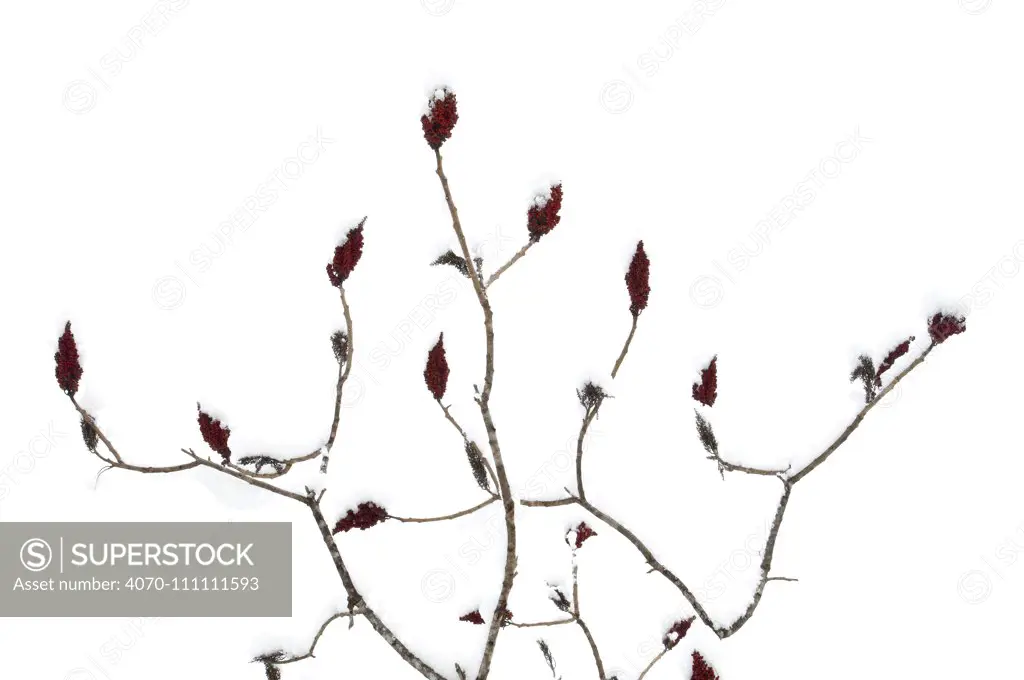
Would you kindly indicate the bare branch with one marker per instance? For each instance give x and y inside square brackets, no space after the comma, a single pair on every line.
[280,660]
[343,372]
[515,258]
[483,400]
[356,601]
[454,515]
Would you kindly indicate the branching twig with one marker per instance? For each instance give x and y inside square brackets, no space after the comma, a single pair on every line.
[281,660]
[343,372]
[492,435]
[766,561]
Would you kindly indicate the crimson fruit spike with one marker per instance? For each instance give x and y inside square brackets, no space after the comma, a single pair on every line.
[677,632]
[365,516]
[69,370]
[638,280]
[473,617]
[943,326]
[890,359]
[214,434]
[583,532]
[436,372]
[441,118]
[706,391]
[543,215]
[346,256]
[701,669]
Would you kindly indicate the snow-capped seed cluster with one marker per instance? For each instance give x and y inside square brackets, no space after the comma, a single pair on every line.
[890,359]
[638,280]
[89,435]
[701,670]
[441,118]
[582,532]
[865,372]
[543,215]
[69,370]
[473,617]
[706,434]
[706,391]
[346,256]
[339,343]
[943,326]
[677,632]
[214,434]
[560,600]
[591,395]
[476,464]
[365,516]
[436,372]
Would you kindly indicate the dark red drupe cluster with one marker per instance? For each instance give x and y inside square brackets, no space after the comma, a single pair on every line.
[363,517]
[890,359]
[583,532]
[701,669]
[69,370]
[638,280]
[473,617]
[706,391]
[942,326]
[436,372]
[441,119]
[677,632]
[346,256]
[214,434]
[543,215]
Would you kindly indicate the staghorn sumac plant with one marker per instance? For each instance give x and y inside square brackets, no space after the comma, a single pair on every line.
[486,463]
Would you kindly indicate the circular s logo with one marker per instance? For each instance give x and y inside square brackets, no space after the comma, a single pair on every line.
[36,554]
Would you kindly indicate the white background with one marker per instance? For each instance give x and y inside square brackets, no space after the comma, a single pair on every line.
[684,125]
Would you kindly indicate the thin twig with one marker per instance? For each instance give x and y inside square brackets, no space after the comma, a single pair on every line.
[245,477]
[356,600]
[649,666]
[316,638]
[625,347]
[343,373]
[515,258]
[556,622]
[454,515]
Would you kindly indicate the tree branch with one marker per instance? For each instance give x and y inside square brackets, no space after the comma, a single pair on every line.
[356,600]
[343,373]
[278,660]
[515,258]
[508,503]
[454,515]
